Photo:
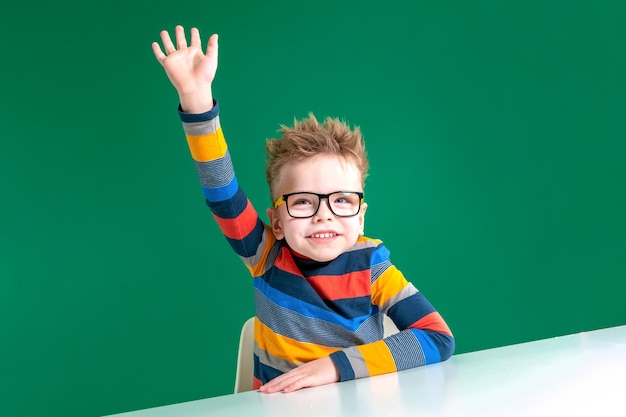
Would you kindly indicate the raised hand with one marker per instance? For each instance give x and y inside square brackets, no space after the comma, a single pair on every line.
[190,70]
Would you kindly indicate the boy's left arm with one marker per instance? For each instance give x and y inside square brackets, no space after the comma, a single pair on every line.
[424,338]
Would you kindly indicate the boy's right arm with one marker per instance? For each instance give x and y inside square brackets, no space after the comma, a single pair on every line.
[192,73]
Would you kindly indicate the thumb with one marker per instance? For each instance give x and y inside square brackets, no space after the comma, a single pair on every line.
[212,46]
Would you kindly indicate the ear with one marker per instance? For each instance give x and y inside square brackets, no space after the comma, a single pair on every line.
[362,218]
[275,223]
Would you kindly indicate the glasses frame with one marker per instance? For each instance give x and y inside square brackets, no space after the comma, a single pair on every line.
[283,199]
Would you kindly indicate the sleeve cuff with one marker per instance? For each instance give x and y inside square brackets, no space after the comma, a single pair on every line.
[342,363]
[201,117]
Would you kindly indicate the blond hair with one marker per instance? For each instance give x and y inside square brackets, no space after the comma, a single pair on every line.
[308,138]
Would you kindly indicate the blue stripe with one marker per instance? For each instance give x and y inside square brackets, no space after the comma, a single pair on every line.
[221,193]
[431,352]
[381,254]
[201,117]
[354,307]
[286,289]
[445,343]
[410,310]
[342,363]
[307,302]
[249,245]
[293,325]
[231,208]
[345,263]
[263,372]
[305,329]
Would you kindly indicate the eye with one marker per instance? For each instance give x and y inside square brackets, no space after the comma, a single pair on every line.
[345,198]
[300,201]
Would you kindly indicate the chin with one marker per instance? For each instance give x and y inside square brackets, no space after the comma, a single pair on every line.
[324,257]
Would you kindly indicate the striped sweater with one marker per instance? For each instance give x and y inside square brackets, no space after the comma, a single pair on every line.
[307,309]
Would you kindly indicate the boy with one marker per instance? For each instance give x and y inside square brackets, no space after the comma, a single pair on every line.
[321,287]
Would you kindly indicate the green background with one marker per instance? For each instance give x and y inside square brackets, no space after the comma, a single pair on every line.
[497,139]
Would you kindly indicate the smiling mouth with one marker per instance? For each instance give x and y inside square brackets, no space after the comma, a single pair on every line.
[323,235]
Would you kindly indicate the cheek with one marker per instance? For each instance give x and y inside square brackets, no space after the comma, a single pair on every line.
[355,226]
[292,228]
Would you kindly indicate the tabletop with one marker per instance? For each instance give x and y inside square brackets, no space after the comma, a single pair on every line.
[576,375]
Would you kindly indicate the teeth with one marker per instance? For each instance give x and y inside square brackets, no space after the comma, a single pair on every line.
[323,235]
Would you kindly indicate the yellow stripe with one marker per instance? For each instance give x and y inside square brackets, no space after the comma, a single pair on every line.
[259,268]
[286,348]
[378,358]
[374,242]
[388,285]
[207,147]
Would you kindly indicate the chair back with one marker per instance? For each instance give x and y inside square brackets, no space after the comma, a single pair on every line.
[245,358]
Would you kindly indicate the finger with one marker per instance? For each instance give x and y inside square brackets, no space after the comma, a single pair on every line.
[212,46]
[302,382]
[158,53]
[273,385]
[299,384]
[167,42]
[270,387]
[282,382]
[181,41]
[195,37]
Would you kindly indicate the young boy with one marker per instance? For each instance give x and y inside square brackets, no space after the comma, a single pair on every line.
[321,288]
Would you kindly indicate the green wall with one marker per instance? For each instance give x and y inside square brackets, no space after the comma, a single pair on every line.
[497,140]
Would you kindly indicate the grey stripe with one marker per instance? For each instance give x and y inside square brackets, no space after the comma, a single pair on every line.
[216,173]
[271,257]
[254,259]
[363,245]
[372,329]
[405,292]
[305,329]
[266,359]
[378,269]
[406,350]
[357,362]
[202,128]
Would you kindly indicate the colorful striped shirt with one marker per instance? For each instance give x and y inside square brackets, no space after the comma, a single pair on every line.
[304,309]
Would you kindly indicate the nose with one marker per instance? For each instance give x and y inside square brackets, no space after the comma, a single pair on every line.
[324,211]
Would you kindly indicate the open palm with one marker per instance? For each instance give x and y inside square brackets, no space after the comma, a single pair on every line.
[190,70]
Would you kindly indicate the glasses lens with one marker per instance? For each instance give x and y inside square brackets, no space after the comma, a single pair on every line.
[302,204]
[342,204]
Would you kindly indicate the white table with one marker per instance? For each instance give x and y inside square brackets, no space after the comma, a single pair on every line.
[577,375]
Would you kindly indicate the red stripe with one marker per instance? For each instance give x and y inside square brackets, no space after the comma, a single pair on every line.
[285,262]
[240,226]
[432,321]
[337,287]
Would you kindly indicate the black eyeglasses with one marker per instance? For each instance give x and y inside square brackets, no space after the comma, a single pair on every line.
[305,205]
